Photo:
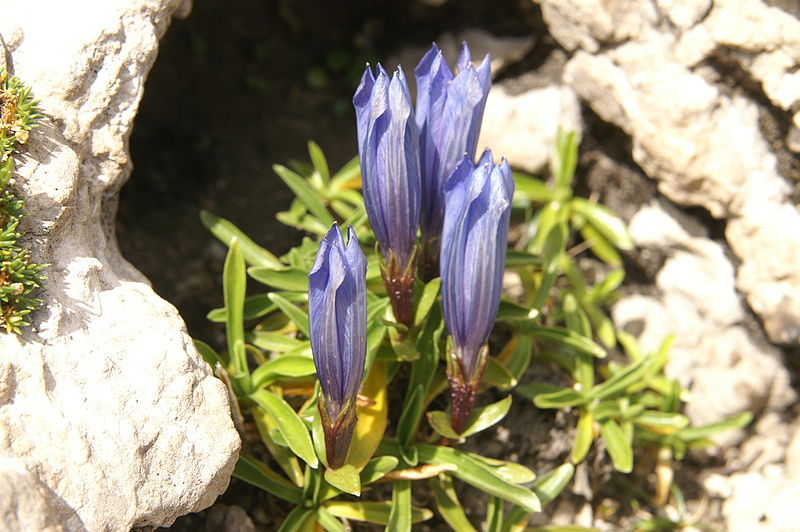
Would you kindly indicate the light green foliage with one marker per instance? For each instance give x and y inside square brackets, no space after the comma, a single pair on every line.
[558,317]
[19,277]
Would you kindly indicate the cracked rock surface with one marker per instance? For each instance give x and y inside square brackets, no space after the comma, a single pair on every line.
[650,68]
[109,419]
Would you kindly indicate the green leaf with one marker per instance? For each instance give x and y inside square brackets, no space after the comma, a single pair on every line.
[233,283]
[515,519]
[562,398]
[328,521]
[565,161]
[485,417]
[568,338]
[422,374]
[621,380]
[440,422]
[600,292]
[409,418]
[269,341]
[508,471]
[661,422]
[347,176]
[299,317]
[448,505]
[256,473]
[618,445]
[532,389]
[377,468]
[277,449]
[254,307]
[318,437]
[516,356]
[552,483]
[286,279]
[225,231]
[692,434]
[515,259]
[561,528]
[209,354]
[345,479]
[530,188]
[498,376]
[426,300]
[575,318]
[480,419]
[584,436]
[371,512]
[479,475]
[494,515]
[605,221]
[553,249]
[283,366]
[599,244]
[289,424]
[400,514]
[546,218]
[305,194]
[375,334]
[300,519]
[319,161]
[509,311]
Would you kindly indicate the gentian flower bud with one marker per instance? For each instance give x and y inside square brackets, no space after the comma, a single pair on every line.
[337,316]
[448,114]
[474,241]
[388,150]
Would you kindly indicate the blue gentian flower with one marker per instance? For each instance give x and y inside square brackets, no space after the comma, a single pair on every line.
[474,241]
[448,115]
[388,149]
[337,316]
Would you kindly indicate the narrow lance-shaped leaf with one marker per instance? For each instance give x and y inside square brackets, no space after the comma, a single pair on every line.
[225,231]
[233,278]
[309,197]
[289,424]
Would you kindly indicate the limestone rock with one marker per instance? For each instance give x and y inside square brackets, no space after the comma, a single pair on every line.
[764,497]
[699,305]
[522,126]
[109,419]
[703,144]
[765,40]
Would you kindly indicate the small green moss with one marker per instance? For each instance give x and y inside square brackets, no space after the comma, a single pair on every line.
[19,277]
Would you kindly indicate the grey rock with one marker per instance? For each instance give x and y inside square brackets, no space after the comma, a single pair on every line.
[703,145]
[109,419]
[522,126]
[699,306]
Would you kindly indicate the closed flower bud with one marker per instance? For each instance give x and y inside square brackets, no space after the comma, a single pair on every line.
[337,316]
[448,114]
[474,241]
[388,149]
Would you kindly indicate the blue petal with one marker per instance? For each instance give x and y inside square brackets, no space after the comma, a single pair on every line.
[337,317]
[389,157]
[474,241]
[361,101]
[449,112]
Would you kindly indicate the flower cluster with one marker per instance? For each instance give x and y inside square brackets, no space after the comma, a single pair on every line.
[418,172]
